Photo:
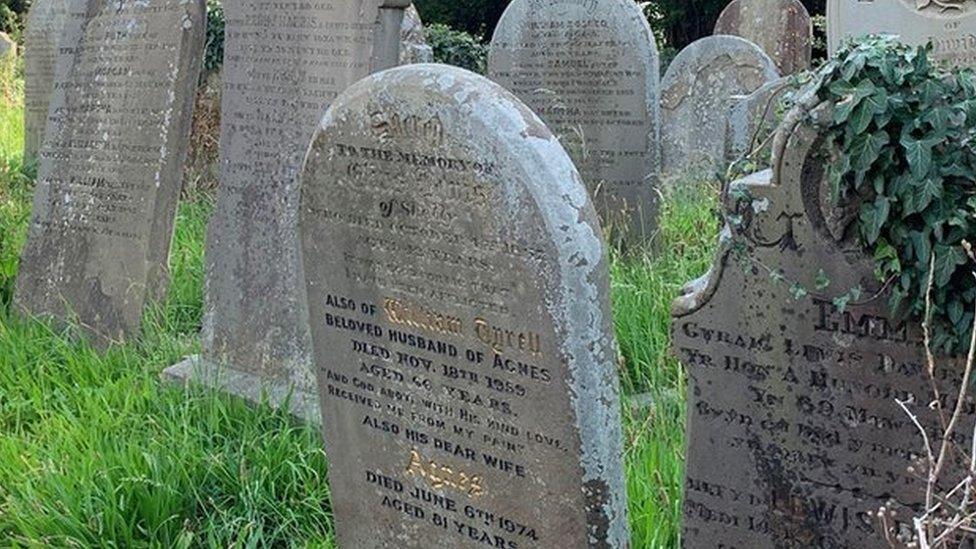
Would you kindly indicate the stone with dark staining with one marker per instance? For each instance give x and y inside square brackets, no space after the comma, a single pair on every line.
[459,296]
[413,39]
[782,28]
[753,118]
[49,24]
[280,73]
[695,95]
[950,25]
[590,69]
[109,171]
[794,435]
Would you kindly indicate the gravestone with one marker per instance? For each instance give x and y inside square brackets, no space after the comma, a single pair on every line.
[590,69]
[950,25]
[695,95]
[49,23]
[794,435]
[413,39]
[7,46]
[459,297]
[280,73]
[110,167]
[752,118]
[782,28]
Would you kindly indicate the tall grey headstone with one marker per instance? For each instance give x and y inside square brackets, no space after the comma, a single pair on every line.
[695,95]
[459,297]
[280,73]
[950,25]
[590,69]
[49,23]
[413,39]
[782,28]
[794,435]
[110,168]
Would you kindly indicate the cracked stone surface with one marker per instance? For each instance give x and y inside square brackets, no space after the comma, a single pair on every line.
[459,297]
[794,436]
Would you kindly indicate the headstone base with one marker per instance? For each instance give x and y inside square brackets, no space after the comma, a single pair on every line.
[194,370]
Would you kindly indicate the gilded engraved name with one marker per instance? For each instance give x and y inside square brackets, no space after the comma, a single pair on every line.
[417,316]
[441,476]
[942,5]
[502,339]
[394,125]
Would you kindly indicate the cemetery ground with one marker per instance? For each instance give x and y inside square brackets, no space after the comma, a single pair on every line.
[95,451]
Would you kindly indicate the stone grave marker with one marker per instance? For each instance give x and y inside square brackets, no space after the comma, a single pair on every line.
[950,25]
[7,46]
[782,28]
[279,77]
[459,296]
[794,435]
[413,39]
[49,23]
[590,69]
[695,95]
[110,167]
[752,118]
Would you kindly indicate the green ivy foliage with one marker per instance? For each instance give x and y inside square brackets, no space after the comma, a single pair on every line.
[903,144]
[457,48]
[214,55]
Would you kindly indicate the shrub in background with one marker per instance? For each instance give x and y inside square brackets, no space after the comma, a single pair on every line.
[457,48]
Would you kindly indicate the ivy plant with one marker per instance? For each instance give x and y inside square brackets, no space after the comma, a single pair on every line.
[903,151]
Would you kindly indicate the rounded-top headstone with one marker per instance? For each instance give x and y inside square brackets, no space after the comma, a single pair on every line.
[695,95]
[950,25]
[590,69]
[782,28]
[459,302]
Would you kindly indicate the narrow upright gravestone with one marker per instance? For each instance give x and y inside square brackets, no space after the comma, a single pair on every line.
[590,69]
[695,95]
[110,168]
[794,435]
[281,71]
[782,28]
[47,27]
[413,39]
[950,25]
[459,297]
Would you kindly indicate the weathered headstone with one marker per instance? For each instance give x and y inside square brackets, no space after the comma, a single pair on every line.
[280,73]
[413,39]
[590,69]
[794,435]
[110,167]
[459,297]
[950,25]
[49,23]
[752,118]
[782,28]
[695,95]
[7,46]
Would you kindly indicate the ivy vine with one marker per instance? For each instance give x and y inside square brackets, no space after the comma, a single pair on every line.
[903,147]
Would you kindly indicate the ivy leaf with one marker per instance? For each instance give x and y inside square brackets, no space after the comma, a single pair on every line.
[822,281]
[919,155]
[921,246]
[873,217]
[930,189]
[947,258]
[867,148]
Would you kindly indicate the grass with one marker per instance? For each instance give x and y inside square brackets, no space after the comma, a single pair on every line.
[94,451]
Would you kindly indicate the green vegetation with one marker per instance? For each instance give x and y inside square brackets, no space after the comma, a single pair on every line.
[902,149]
[95,451]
